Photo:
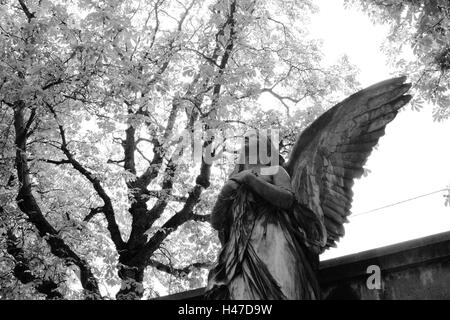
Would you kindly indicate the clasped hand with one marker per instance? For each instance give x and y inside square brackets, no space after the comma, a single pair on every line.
[242,177]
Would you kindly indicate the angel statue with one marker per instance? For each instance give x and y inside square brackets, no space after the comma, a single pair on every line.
[274,224]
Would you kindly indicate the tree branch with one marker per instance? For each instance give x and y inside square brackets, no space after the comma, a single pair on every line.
[92,213]
[143,155]
[201,217]
[179,272]
[163,193]
[28,205]
[156,211]
[22,270]
[226,55]
[53,83]
[158,152]
[185,214]
[282,98]
[27,12]
[202,180]
[108,211]
[57,162]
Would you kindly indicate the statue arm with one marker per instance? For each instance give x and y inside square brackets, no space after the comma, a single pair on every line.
[279,193]
[221,210]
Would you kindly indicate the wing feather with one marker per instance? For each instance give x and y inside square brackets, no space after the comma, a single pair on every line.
[331,153]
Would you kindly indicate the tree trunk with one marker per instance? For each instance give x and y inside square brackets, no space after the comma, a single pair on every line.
[23,273]
[28,205]
[132,287]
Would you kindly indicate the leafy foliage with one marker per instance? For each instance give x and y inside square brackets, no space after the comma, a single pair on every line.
[422,29]
[94,95]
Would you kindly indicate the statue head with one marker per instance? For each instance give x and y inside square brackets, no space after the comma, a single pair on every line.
[258,150]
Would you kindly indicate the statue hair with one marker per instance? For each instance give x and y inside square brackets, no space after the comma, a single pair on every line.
[244,150]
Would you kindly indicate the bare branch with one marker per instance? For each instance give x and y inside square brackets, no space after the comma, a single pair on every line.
[115,161]
[179,272]
[27,12]
[143,156]
[92,213]
[57,162]
[162,193]
[282,98]
[201,217]
[204,56]
[53,83]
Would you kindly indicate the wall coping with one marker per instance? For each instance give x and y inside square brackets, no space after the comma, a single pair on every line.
[399,256]
[387,250]
[406,254]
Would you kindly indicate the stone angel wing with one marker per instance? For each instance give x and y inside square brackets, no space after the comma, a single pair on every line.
[331,152]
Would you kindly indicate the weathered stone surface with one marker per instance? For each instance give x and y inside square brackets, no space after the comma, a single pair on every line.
[416,269]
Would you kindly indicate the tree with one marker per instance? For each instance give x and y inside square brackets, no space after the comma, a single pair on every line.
[94,96]
[423,29]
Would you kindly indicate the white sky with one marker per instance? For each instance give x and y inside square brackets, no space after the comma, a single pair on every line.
[412,158]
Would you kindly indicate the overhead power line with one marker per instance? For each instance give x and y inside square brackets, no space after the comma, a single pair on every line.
[397,203]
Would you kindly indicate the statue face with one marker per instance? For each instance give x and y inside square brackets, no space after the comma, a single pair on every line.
[256,151]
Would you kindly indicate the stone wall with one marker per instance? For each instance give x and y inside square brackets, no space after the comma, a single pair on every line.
[416,269]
